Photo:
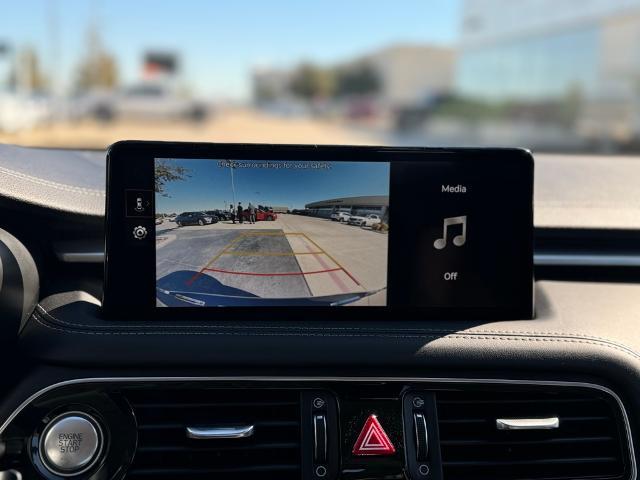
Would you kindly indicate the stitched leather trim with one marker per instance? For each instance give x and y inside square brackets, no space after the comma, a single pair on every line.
[48,321]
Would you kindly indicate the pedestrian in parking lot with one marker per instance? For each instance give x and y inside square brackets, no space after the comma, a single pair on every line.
[252,213]
[233,214]
[240,219]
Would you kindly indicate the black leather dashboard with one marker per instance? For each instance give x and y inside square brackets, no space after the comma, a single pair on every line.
[583,332]
[588,324]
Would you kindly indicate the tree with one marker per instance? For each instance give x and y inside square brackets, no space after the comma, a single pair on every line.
[165,173]
[264,93]
[310,82]
[98,69]
[29,74]
[571,105]
[360,79]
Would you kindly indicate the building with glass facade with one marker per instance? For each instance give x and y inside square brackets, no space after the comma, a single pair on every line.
[378,204]
[580,58]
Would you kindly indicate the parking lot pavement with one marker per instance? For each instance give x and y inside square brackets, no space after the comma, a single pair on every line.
[293,256]
[329,277]
[187,249]
[262,265]
[360,251]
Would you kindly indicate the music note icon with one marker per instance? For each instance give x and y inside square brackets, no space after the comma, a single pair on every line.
[458,240]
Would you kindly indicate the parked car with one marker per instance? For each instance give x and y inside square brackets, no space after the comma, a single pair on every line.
[195,218]
[159,221]
[366,221]
[340,216]
[261,215]
[221,214]
[143,101]
[172,218]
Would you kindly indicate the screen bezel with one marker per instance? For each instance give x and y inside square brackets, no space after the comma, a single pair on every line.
[130,166]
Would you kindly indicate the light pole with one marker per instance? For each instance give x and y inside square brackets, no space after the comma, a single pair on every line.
[11,65]
[233,188]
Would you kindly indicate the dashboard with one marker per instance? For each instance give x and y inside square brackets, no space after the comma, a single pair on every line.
[84,396]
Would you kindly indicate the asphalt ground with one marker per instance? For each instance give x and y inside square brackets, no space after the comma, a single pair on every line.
[289,258]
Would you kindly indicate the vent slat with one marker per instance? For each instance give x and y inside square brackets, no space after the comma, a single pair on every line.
[528,442]
[512,401]
[592,418]
[165,452]
[586,445]
[181,472]
[543,461]
[240,404]
[214,448]
[183,425]
[445,421]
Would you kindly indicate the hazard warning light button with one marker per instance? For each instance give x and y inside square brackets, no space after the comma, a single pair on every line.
[373,440]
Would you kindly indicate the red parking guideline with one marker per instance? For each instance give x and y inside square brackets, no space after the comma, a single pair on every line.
[276,274]
[225,250]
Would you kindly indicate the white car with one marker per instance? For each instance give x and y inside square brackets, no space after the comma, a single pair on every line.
[144,101]
[368,221]
[340,216]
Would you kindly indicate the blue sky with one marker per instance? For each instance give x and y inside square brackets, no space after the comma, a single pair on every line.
[209,185]
[222,41]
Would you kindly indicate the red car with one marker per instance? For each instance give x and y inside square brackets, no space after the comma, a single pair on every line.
[261,215]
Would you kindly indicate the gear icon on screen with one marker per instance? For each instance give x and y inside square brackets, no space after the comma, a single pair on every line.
[139,232]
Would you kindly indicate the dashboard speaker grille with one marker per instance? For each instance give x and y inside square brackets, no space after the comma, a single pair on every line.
[587,443]
[166,452]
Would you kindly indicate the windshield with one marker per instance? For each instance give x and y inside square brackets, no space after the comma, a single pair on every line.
[551,75]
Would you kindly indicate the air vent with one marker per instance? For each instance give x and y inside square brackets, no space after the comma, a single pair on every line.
[165,451]
[587,442]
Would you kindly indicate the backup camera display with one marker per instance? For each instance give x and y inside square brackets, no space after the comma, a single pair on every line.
[271,233]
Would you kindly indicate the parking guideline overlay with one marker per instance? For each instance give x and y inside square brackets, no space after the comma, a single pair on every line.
[317,252]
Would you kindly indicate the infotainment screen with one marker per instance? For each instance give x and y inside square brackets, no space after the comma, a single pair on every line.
[261,232]
[271,233]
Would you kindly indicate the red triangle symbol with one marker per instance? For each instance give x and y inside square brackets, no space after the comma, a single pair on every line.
[373,440]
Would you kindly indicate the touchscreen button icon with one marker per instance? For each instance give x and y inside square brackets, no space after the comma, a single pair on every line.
[458,240]
[139,203]
[139,232]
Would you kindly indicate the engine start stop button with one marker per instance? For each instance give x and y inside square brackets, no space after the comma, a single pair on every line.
[71,443]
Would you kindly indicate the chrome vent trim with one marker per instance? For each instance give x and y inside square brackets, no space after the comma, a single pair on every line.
[215,433]
[527,423]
